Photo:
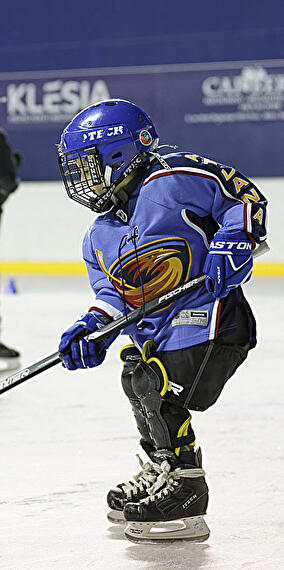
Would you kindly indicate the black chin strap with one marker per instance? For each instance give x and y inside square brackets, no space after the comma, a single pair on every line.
[121,198]
[124,194]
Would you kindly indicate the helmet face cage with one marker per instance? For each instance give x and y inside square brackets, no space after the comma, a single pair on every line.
[83,178]
[84,181]
[118,136]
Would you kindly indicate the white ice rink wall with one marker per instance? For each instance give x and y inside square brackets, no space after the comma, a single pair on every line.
[42,230]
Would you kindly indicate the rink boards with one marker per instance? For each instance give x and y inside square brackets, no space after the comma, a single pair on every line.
[42,231]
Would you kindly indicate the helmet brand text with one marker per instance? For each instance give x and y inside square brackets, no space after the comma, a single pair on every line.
[102,133]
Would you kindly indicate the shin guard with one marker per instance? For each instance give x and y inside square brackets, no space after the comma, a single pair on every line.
[130,357]
[149,383]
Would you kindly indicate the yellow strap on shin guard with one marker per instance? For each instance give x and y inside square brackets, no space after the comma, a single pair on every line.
[127,351]
[183,430]
[149,348]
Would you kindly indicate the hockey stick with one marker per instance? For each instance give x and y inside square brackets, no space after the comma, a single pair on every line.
[107,330]
[115,326]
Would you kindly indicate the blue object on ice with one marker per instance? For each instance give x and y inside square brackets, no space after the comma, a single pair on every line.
[10,288]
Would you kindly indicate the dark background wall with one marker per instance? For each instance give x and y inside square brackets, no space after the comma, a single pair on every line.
[40,35]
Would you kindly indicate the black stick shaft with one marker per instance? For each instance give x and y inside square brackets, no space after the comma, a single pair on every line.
[107,330]
[29,372]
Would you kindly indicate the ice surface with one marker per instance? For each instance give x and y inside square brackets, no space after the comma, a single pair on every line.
[66,438]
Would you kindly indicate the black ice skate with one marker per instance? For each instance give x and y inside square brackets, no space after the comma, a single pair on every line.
[174,507]
[131,491]
[9,358]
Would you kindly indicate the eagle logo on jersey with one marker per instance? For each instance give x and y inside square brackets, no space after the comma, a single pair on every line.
[163,265]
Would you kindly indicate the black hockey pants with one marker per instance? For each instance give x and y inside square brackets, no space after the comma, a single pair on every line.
[196,377]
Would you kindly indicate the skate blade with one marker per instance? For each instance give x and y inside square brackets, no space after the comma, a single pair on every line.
[116,517]
[190,528]
[9,364]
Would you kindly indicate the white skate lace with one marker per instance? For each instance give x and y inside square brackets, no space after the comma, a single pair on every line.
[143,480]
[169,480]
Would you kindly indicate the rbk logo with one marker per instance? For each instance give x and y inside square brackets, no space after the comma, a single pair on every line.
[175,388]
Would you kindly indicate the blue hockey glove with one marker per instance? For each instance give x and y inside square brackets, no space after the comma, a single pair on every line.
[82,353]
[228,263]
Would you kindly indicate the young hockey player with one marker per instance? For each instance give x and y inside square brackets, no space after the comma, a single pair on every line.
[165,219]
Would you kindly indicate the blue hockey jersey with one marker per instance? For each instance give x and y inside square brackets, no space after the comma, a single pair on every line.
[160,239]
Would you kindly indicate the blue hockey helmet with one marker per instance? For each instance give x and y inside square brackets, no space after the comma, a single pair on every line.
[100,147]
